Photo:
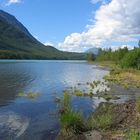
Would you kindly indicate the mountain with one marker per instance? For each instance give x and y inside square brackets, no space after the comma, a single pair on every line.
[93,50]
[16,42]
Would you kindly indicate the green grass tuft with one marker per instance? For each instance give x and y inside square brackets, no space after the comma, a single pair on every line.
[138,105]
[133,135]
[78,93]
[102,121]
[72,120]
[30,95]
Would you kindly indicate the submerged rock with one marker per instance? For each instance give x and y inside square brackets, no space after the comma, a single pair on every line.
[12,125]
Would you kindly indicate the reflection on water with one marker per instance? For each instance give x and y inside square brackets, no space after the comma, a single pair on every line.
[49,78]
[12,125]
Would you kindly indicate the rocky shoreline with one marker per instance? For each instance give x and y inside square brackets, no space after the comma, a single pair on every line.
[116,119]
[125,117]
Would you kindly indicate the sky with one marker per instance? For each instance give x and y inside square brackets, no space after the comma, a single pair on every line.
[77,25]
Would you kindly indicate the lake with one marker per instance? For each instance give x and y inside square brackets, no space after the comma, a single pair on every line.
[24,118]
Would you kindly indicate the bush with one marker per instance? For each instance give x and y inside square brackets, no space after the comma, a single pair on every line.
[122,57]
[90,57]
[131,59]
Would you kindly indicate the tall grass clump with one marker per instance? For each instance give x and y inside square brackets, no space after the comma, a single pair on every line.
[69,118]
[103,121]
[102,117]
[66,99]
[72,120]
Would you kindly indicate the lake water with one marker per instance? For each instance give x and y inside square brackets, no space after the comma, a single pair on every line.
[22,118]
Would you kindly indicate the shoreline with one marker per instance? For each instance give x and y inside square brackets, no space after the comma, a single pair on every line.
[126,116]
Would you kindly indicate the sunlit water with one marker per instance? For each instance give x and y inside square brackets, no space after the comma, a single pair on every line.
[22,118]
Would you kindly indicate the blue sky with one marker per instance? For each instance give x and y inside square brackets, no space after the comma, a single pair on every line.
[76,25]
[52,20]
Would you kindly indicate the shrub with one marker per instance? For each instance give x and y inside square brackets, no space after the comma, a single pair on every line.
[131,59]
[90,57]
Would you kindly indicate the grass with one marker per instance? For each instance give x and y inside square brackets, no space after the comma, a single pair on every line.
[94,84]
[103,121]
[66,99]
[126,78]
[72,120]
[138,105]
[102,118]
[133,135]
[78,92]
[30,95]
[107,97]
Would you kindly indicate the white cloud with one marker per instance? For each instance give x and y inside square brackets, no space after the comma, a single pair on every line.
[13,2]
[48,43]
[117,21]
[123,46]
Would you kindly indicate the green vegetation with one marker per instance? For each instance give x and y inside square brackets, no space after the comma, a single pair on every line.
[133,135]
[103,121]
[102,118]
[78,93]
[131,59]
[122,57]
[107,97]
[111,120]
[66,100]
[70,119]
[74,121]
[126,78]
[138,105]
[90,57]
[30,95]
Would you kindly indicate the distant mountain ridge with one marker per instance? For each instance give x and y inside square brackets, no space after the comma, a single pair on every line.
[93,50]
[16,42]
[12,21]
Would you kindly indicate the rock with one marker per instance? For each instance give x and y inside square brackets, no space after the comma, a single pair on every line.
[93,135]
[12,125]
[123,114]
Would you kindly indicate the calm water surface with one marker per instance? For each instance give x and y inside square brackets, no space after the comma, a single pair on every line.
[22,118]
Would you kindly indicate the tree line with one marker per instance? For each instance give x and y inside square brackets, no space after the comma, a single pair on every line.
[123,57]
